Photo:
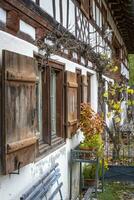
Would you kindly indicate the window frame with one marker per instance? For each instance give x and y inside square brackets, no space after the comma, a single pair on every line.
[88,87]
[46,142]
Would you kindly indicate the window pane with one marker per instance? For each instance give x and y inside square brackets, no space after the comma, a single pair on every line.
[53,103]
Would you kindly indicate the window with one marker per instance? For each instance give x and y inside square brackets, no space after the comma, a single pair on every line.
[53,87]
[52,102]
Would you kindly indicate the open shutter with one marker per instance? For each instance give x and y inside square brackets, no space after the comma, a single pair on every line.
[71,103]
[84,88]
[19,119]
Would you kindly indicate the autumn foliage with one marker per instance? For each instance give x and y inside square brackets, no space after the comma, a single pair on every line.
[90,122]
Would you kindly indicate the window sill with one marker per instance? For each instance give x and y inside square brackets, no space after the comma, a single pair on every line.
[45,149]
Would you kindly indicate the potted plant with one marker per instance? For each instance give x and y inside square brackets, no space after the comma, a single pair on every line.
[92,126]
[88,175]
[89,172]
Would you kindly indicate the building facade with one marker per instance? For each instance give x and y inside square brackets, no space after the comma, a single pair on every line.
[40,98]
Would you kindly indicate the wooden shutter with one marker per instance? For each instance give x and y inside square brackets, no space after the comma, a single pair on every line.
[19,119]
[84,88]
[71,103]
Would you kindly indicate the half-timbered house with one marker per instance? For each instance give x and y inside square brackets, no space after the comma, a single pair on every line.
[40,101]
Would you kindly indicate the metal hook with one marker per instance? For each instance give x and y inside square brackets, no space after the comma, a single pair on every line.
[18,168]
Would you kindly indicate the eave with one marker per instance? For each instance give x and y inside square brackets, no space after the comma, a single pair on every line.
[123,15]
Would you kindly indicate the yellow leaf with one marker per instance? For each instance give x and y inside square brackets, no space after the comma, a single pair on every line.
[129,103]
[117,120]
[105,94]
[130,91]
[120,110]
[116,106]
[109,114]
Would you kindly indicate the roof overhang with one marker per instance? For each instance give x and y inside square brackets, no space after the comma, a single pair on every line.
[123,15]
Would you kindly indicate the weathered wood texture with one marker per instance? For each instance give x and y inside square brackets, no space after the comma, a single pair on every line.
[85,7]
[13,21]
[71,103]
[85,88]
[122,12]
[19,119]
[46,101]
[46,118]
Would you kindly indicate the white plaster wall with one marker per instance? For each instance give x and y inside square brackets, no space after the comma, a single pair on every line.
[9,42]
[82,60]
[30,173]
[93,38]
[108,120]
[98,16]
[94,92]
[57,5]
[71,17]
[2,15]
[11,187]
[124,71]
[64,10]
[26,28]
[47,6]
[75,55]
[70,66]
[124,112]
[100,20]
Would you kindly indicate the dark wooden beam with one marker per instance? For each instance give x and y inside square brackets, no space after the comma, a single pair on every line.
[123,15]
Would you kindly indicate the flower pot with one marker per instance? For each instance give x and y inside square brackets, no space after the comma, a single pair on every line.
[87,153]
[87,148]
[89,182]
